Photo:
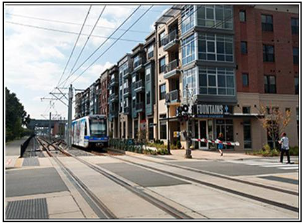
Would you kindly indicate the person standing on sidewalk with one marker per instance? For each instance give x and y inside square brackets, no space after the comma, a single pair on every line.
[284,141]
[220,144]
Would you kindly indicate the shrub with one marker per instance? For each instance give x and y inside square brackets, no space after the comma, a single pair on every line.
[294,151]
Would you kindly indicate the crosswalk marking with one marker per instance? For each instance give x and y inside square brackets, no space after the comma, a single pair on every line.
[267,163]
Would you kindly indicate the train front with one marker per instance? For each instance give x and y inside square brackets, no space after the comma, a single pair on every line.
[98,131]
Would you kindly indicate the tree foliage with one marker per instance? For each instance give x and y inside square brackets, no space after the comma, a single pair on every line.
[15,116]
[274,121]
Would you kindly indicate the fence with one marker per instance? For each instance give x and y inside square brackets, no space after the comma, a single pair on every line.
[24,145]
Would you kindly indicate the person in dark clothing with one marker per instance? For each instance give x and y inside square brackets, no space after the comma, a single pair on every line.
[220,144]
[284,141]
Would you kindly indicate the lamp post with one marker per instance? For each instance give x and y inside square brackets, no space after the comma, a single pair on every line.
[168,143]
[188,151]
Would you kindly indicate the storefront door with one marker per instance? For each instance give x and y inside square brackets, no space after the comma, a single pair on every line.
[203,134]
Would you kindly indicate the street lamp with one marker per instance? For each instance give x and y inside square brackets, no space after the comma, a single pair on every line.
[167,101]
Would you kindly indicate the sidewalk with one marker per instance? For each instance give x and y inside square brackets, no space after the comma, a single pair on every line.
[12,152]
[211,155]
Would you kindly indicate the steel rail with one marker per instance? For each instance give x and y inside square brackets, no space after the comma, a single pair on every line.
[105,212]
[215,186]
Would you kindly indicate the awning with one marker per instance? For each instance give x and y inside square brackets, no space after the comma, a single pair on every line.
[169,14]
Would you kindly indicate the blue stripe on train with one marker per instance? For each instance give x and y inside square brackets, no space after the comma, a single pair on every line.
[96,138]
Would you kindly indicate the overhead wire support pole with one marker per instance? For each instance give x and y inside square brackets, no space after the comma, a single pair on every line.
[70,116]
[58,98]
[64,94]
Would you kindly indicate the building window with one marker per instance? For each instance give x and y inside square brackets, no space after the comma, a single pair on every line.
[161,38]
[247,134]
[268,53]
[242,16]
[245,79]
[216,81]
[217,47]
[296,85]
[225,126]
[188,50]
[267,23]
[270,84]
[162,65]
[163,130]
[243,46]
[295,55]
[294,25]
[190,80]
[147,73]
[215,16]
[150,51]
[247,110]
[162,91]
[187,18]
[148,98]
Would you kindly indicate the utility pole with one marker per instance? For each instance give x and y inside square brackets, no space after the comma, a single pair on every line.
[50,126]
[70,116]
[188,151]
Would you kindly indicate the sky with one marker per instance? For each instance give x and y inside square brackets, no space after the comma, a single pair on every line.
[39,39]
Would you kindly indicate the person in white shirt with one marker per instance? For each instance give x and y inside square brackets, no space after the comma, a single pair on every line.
[284,141]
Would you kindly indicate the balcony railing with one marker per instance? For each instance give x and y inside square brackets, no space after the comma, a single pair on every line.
[126,110]
[139,106]
[173,35]
[138,84]
[173,96]
[126,91]
[126,72]
[172,66]
[113,81]
[138,63]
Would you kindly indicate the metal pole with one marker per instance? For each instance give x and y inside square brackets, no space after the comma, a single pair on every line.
[188,151]
[168,143]
[50,127]
[70,116]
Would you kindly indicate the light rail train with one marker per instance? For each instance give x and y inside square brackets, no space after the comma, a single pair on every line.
[90,131]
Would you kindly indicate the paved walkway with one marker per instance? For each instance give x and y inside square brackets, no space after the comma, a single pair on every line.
[12,152]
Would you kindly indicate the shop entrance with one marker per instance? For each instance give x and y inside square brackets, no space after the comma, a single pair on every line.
[203,134]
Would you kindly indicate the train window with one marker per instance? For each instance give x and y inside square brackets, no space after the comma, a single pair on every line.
[86,129]
[98,127]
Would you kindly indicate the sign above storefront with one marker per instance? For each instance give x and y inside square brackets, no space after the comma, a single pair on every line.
[211,111]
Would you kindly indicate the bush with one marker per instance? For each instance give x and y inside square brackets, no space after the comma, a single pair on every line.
[294,151]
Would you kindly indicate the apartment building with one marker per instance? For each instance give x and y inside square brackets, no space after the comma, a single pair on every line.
[125,107]
[224,61]
[104,80]
[113,102]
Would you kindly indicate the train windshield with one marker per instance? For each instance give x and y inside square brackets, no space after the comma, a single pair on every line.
[98,127]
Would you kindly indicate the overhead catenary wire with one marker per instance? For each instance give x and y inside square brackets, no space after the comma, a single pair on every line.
[70,23]
[111,45]
[98,19]
[75,43]
[69,32]
[64,82]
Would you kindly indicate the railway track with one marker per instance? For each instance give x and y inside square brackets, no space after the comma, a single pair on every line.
[174,212]
[213,185]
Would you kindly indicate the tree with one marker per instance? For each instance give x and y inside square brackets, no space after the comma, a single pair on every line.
[274,121]
[15,116]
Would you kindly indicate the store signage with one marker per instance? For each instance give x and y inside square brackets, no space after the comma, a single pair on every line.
[211,111]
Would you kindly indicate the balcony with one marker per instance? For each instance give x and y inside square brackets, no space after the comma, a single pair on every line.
[173,97]
[113,98]
[113,82]
[126,92]
[126,73]
[138,86]
[140,107]
[171,41]
[150,55]
[126,110]
[172,69]
[138,65]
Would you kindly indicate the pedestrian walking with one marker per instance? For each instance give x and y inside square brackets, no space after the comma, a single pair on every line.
[284,141]
[220,144]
